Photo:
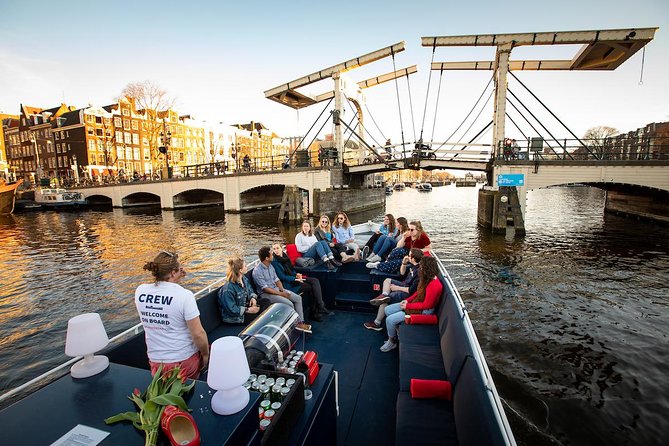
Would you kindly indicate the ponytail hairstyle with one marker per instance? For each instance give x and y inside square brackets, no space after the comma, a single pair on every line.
[428,270]
[235,266]
[163,265]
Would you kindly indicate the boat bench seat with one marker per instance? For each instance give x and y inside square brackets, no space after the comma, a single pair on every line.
[431,352]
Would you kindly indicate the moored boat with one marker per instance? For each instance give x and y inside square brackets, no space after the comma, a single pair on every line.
[354,378]
[424,187]
[8,196]
[389,190]
[54,197]
[467,181]
[399,186]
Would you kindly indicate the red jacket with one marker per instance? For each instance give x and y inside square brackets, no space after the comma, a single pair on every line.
[432,296]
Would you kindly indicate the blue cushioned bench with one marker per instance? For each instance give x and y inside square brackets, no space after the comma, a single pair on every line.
[443,352]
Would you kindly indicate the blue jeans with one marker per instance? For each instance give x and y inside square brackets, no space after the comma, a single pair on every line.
[319,250]
[395,317]
[383,245]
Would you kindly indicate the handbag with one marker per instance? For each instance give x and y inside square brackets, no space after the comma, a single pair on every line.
[305,262]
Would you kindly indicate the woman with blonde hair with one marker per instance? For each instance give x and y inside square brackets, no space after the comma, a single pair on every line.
[237,300]
[309,246]
[171,319]
[343,230]
[324,232]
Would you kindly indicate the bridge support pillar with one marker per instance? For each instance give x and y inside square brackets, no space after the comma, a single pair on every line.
[500,208]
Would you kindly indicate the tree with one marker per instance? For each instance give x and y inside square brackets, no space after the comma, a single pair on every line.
[153,102]
[595,138]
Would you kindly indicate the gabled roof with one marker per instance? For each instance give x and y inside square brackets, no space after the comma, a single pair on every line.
[256,126]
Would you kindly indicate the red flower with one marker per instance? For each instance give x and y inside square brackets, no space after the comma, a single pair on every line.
[137,392]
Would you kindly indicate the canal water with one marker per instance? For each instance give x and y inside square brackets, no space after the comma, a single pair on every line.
[572,317]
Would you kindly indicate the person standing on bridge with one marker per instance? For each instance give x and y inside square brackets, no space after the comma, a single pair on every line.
[171,319]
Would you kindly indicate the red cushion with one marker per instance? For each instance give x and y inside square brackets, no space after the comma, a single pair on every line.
[430,388]
[421,319]
[292,252]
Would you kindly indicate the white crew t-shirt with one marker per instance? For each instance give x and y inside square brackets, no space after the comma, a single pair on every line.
[163,310]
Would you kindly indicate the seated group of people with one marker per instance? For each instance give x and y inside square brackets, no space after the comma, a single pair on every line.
[171,319]
[333,243]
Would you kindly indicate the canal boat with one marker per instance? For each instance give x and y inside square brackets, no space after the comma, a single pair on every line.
[424,187]
[389,190]
[8,196]
[55,197]
[354,394]
[399,186]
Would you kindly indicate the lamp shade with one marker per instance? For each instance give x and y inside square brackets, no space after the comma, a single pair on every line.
[85,335]
[228,370]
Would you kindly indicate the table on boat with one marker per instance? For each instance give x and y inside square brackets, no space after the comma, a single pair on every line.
[46,415]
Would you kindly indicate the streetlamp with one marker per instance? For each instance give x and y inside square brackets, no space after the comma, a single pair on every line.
[165,140]
[76,168]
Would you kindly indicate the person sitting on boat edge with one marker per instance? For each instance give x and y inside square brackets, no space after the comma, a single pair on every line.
[394,291]
[415,237]
[236,299]
[423,301]
[387,229]
[309,246]
[324,232]
[308,287]
[171,319]
[343,230]
[266,280]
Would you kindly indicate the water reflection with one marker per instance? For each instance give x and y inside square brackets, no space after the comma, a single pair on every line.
[571,317]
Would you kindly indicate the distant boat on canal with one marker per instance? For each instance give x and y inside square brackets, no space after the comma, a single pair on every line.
[467,181]
[424,187]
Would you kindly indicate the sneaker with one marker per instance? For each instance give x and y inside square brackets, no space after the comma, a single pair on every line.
[303,327]
[382,299]
[372,265]
[316,316]
[365,252]
[371,325]
[330,266]
[388,345]
[374,258]
[325,312]
[335,262]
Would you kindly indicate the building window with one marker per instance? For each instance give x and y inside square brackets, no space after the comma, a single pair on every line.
[134,125]
[135,138]
[125,112]
[91,145]
[120,153]
[117,121]
[126,124]
[147,154]
[127,138]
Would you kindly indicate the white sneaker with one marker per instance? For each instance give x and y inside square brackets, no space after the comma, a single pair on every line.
[374,258]
[372,265]
[388,345]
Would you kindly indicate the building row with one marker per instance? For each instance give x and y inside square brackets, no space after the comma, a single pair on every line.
[120,139]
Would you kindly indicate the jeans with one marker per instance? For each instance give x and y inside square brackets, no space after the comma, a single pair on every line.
[383,245]
[395,317]
[319,250]
[294,300]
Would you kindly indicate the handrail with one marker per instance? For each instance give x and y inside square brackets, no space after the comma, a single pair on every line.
[135,329]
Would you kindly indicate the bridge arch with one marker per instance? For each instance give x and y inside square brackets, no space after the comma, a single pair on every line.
[261,197]
[197,197]
[140,199]
[100,200]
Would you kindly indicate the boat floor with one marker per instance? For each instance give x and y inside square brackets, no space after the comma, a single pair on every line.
[368,378]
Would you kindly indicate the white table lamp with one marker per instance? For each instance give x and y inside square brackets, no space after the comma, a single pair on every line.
[228,370]
[85,336]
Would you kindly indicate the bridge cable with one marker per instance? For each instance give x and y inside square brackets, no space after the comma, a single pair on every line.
[466,117]
[413,122]
[472,141]
[564,149]
[531,125]
[312,126]
[374,121]
[516,125]
[555,116]
[319,131]
[399,105]
[436,104]
[427,93]
[643,63]
[475,119]
[356,114]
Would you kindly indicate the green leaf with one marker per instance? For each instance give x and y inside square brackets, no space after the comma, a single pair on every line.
[137,400]
[125,416]
[170,400]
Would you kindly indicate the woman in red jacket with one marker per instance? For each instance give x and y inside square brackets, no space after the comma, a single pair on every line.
[423,301]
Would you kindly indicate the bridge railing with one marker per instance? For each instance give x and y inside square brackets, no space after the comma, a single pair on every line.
[621,147]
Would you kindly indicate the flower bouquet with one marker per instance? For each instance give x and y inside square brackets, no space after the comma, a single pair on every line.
[165,390]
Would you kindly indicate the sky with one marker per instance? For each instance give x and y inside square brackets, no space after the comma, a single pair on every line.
[217,58]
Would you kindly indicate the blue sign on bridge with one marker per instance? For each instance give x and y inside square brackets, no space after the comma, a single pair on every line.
[511,179]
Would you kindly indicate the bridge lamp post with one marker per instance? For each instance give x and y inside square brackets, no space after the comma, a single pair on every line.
[38,169]
[165,140]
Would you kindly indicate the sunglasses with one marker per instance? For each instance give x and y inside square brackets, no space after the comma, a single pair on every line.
[413,229]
